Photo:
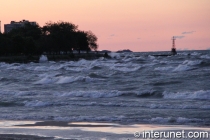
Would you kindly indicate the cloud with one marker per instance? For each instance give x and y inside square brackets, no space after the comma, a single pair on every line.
[179,37]
[111,36]
[188,32]
[138,38]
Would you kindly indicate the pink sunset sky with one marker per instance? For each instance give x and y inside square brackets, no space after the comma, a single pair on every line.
[138,25]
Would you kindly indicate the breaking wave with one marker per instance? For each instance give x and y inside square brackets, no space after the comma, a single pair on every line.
[179,120]
[201,94]
[65,79]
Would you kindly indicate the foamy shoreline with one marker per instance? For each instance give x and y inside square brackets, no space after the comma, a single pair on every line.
[49,130]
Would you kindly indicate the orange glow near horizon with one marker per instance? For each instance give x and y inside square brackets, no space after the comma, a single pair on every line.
[138,25]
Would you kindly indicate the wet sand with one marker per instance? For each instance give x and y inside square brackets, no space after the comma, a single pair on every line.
[50,130]
[22,137]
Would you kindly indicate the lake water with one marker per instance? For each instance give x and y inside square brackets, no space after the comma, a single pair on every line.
[129,88]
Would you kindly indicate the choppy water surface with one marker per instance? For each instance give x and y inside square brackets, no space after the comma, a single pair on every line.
[129,88]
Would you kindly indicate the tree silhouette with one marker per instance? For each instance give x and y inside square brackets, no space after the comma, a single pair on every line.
[82,43]
[92,39]
[53,38]
[61,35]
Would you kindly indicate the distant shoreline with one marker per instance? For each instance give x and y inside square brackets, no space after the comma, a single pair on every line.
[60,57]
[74,56]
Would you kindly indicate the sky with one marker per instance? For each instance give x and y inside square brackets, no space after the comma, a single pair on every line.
[138,25]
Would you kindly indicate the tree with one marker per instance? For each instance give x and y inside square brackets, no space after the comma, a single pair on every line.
[81,41]
[29,46]
[27,30]
[5,45]
[62,35]
[23,39]
[52,38]
[17,44]
[92,40]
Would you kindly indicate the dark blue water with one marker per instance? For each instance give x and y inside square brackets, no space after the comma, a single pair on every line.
[128,88]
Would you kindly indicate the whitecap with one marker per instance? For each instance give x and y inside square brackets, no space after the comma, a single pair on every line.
[195,53]
[191,63]
[36,103]
[205,56]
[64,79]
[151,57]
[114,55]
[201,94]
[43,59]
[41,68]
[187,120]
[93,94]
[46,80]
[164,68]
[126,69]
[163,120]
[182,68]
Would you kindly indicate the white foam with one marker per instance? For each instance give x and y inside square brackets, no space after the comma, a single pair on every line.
[81,65]
[164,68]
[43,59]
[186,120]
[205,56]
[143,92]
[195,53]
[40,68]
[129,57]
[63,80]
[52,79]
[183,53]
[191,63]
[125,69]
[17,93]
[201,94]
[46,80]
[77,69]
[162,120]
[93,94]
[182,68]
[160,106]
[115,55]
[15,68]
[49,74]
[56,67]
[36,103]
[151,57]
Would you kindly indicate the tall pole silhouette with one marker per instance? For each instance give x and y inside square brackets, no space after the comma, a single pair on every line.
[173,50]
[173,44]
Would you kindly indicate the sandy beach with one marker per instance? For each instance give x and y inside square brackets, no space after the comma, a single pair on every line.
[49,130]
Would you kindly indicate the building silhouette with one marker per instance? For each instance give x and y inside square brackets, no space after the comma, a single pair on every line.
[15,25]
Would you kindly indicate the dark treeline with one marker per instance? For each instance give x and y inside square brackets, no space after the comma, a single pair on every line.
[52,38]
